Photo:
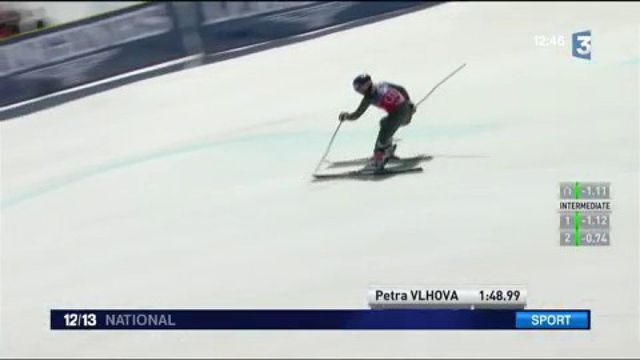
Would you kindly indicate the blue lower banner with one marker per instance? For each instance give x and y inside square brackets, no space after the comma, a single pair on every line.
[439,319]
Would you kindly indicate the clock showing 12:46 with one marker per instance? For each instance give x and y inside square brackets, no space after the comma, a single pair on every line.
[549,40]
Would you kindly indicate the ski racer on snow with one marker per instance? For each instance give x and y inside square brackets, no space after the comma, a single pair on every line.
[392,98]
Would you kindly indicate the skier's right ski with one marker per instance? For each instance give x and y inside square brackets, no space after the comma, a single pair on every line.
[364,173]
[363,161]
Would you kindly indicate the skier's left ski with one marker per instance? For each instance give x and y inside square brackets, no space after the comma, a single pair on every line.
[367,173]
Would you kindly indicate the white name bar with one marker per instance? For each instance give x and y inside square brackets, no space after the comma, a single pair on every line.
[430,297]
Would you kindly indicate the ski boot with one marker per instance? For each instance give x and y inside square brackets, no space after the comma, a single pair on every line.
[376,163]
[380,159]
[390,153]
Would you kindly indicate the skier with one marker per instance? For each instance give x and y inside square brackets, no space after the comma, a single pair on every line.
[392,98]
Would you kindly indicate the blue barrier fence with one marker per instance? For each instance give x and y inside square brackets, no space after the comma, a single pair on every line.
[102,47]
[71,55]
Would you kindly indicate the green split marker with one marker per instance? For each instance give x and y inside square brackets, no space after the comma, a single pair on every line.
[577,219]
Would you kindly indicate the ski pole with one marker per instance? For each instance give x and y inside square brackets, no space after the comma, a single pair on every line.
[328,147]
[440,83]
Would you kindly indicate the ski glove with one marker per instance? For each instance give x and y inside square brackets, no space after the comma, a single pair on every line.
[413,107]
[344,116]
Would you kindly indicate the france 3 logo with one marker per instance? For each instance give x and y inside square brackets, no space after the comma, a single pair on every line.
[581,44]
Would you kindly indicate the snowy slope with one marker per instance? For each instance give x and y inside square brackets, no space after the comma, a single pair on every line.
[193,190]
